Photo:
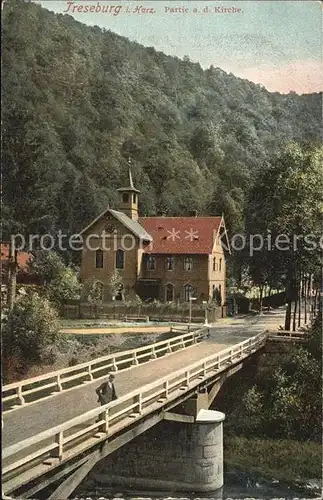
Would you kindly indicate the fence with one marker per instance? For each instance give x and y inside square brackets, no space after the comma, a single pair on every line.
[34,389]
[119,311]
[56,445]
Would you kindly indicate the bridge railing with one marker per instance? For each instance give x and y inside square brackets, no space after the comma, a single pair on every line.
[36,388]
[55,445]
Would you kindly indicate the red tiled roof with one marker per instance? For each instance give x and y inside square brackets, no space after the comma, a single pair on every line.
[22,257]
[181,235]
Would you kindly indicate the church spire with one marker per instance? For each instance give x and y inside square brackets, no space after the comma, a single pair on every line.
[129,197]
[130,174]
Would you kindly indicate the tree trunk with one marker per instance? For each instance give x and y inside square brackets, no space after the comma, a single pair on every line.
[12,276]
[305,298]
[315,304]
[310,296]
[261,288]
[289,296]
[269,295]
[295,314]
[299,293]
[288,315]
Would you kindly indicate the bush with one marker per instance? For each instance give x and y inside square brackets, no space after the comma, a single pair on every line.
[73,361]
[31,330]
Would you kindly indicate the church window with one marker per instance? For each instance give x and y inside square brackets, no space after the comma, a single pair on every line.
[188,292]
[119,259]
[99,259]
[169,293]
[188,263]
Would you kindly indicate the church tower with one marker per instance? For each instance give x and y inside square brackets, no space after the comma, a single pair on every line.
[128,201]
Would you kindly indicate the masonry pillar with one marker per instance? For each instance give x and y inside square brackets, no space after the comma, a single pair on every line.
[208,443]
[172,456]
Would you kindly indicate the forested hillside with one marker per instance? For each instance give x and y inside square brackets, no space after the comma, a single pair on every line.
[78,101]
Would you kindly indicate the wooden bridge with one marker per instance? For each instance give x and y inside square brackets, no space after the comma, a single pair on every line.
[48,436]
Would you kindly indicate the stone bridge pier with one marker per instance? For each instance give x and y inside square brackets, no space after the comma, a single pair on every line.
[181,453]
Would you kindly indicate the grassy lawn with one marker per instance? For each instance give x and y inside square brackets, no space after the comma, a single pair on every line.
[88,323]
[280,459]
[111,326]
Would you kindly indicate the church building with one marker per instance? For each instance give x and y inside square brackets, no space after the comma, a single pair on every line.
[162,258]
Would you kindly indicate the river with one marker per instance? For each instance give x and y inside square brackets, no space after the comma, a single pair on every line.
[238,485]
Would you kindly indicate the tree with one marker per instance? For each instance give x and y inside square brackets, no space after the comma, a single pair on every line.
[287,202]
[65,286]
[30,331]
[46,265]
[281,398]
[92,292]
[116,286]
[60,281]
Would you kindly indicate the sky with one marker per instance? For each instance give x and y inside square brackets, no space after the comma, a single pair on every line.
[274,43]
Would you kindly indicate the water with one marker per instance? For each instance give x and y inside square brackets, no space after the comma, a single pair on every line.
[238,485]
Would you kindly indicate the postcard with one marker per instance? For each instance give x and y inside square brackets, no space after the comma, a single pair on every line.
[161,249]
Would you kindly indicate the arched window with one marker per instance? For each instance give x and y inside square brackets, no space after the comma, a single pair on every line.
[169,292]
[217,296]
[220,265]
[151,263]
[188,263]
[169,263]
[119,259]
[214,264]
[119,292]
[134,198]
[99,259]
[188,292]
[125,197]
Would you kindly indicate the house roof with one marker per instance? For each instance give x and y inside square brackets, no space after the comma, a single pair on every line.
[130,224]
[182,235]
[23,258]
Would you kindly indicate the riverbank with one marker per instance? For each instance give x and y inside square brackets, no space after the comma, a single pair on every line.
[287,461]
[81,348]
